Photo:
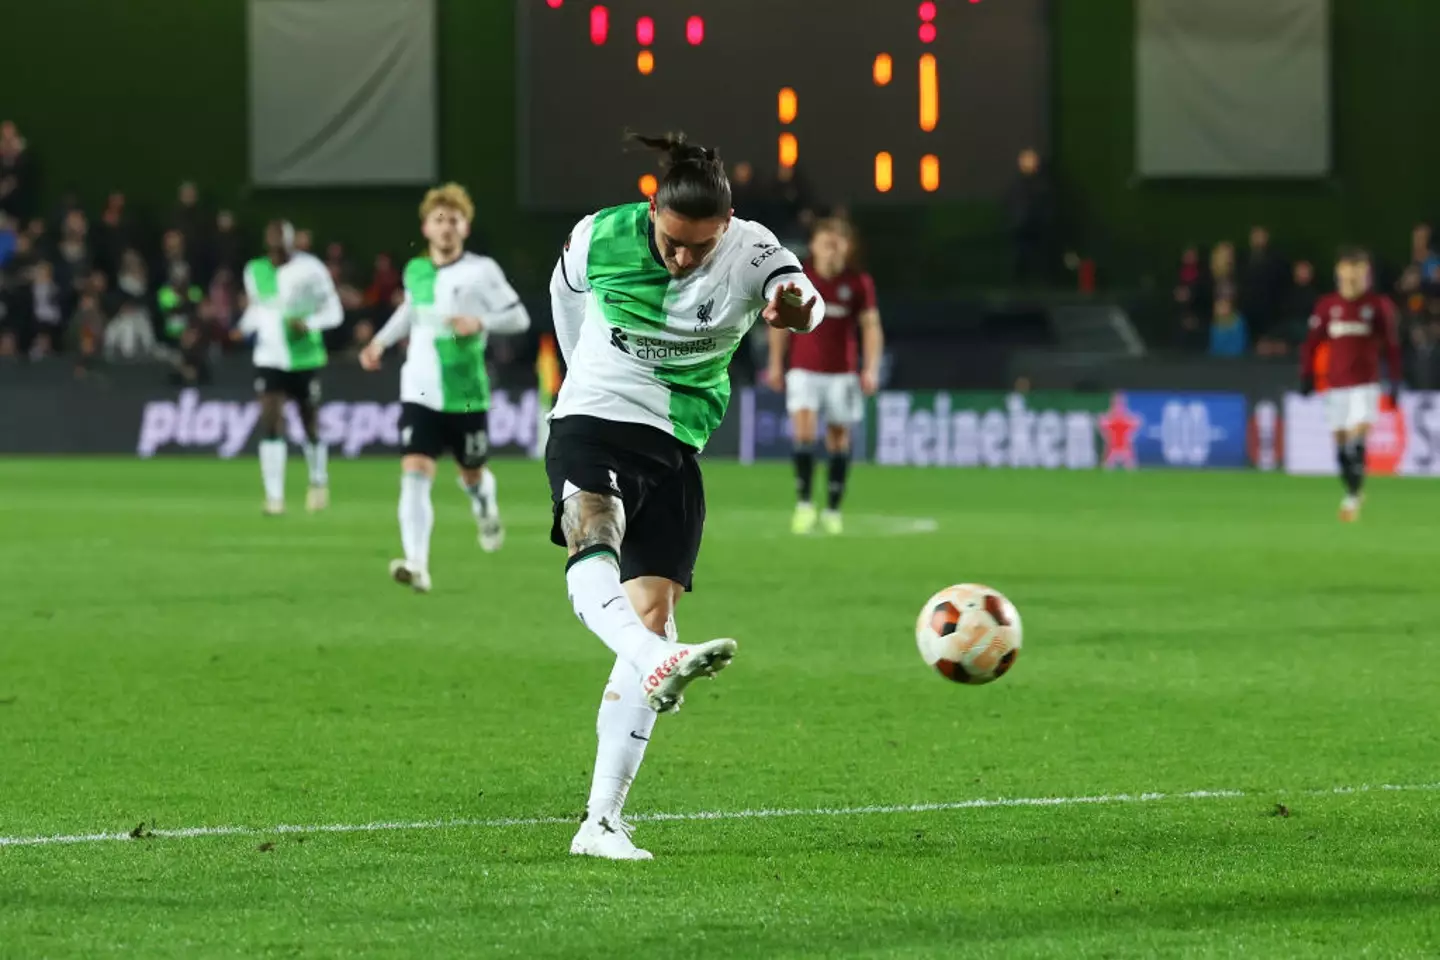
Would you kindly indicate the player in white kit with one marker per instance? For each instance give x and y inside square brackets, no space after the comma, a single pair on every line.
[453,301]
[650,303]
[290,302]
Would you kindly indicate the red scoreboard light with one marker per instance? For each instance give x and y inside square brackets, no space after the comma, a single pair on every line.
[554,4]
[695,31]
[599,25]
[645,31]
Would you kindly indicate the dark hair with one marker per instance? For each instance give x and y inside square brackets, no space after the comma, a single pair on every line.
[694,184]
[1353,255]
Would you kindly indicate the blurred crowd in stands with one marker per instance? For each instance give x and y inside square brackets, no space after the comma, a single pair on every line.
[1259,302]
[116,285]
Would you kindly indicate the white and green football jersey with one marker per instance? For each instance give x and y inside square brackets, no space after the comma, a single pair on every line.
[299,289]
[442,371]
[644,347]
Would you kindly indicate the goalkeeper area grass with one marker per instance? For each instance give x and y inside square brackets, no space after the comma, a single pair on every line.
[228,735]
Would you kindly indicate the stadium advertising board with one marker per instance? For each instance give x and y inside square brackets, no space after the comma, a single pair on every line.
[764,426]
[1128,429]
[196,422]
[1188,430]
[1044,430]
[1405,441]
[129,414]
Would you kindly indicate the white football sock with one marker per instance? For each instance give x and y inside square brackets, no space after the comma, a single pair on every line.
[601,604]
[417,519]
[316,455]
[483,499]
[272,468]
[623,729]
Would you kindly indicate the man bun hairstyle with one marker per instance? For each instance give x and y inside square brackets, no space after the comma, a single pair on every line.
[694,184]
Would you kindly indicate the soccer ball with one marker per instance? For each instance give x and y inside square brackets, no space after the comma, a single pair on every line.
[969,633]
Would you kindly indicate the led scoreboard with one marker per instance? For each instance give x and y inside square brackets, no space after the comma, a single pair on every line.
[874,101]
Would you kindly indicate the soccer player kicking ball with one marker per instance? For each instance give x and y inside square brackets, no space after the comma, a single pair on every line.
[650,302]
[453,300]
[1357,323]
[291,302]
[826,379]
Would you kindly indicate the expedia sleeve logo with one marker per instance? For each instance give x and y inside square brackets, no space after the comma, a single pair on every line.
[766,252]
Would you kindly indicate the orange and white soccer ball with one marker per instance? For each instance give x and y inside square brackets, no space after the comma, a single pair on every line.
[969,633]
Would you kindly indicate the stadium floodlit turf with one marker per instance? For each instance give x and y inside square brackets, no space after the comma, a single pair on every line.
[171,660]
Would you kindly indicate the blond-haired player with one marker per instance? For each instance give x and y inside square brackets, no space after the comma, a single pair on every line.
[453,301]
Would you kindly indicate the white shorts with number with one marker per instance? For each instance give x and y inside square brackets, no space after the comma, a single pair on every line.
[835,397]
[1349,407]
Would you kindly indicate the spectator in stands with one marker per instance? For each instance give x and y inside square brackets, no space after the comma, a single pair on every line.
[1190,294]
[22,261]
[113,236]
[225,251]
[351,298]
[179,301]
[8,239]
[1295,317]
[86,330]
[43,306]
[1263,283]
[1221,283]
[1031,207]
[175,255]
[192,361]
[384,291]
[19,191]
[1229,336]
[221,305]
[744,193]
[188,218]
[131,335]
[73,257]
[133,280]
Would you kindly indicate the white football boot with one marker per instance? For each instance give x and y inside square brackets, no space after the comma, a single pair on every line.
[317,498]
[274,508]
[402,573]
[607,838]
[665,681]
[492,534]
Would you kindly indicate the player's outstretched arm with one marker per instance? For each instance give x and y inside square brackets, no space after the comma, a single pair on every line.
[774,277]
[397,328]
[504,312]
[331,313]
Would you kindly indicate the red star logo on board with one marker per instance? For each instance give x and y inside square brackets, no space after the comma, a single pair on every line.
[1119,427]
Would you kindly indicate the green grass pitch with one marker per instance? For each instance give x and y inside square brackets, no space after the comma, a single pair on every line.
[169,657]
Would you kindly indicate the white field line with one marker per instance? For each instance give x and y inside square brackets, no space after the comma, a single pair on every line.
[384,826]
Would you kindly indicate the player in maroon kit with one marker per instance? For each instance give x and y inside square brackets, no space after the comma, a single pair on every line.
[826,381]
[1357,323]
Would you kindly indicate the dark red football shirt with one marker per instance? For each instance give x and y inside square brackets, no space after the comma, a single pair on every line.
[834,347]
[1356,330]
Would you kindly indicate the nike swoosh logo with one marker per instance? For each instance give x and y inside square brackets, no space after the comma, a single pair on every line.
[636,736]
[614,299]
[607,603]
